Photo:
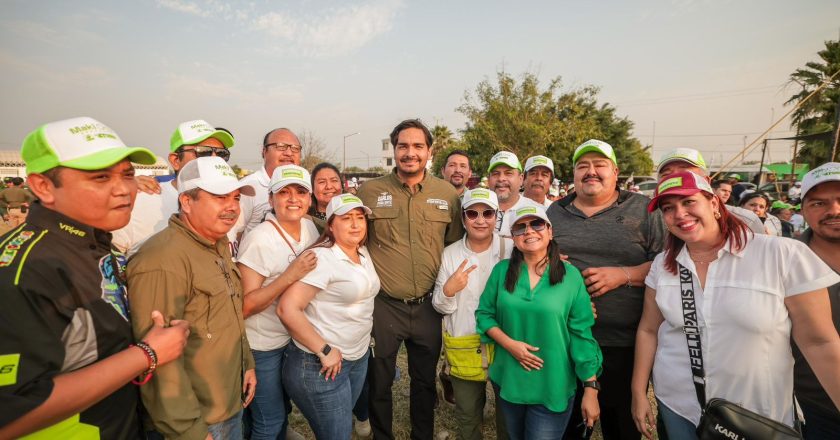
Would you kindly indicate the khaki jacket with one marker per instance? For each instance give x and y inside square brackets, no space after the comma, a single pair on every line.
[185,276]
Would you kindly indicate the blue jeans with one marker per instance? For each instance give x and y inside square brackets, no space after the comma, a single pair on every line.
[534,422]
[268,409]
[362,408]
[230,429]
[327,405]
[677,426]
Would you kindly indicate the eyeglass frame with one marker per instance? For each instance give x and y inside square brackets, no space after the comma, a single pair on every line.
[283,147]
[530,224]
[213,151]
[480,213]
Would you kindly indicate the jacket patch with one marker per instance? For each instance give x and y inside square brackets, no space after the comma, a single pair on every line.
[443,205]
[385,200]
[11,249]
[111,267]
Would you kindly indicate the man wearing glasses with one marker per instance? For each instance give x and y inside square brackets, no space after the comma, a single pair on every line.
[191,140]
[280,147]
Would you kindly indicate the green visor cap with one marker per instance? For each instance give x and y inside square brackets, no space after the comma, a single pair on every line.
[193,132]
[596,146]
[80,143]
[504,158]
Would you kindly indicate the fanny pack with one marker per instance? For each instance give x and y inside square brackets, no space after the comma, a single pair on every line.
[720,418]
[467,357]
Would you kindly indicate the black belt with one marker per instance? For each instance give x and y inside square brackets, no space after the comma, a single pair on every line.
[409,301]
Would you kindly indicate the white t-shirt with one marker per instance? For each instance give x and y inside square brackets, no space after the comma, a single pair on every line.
[459,311]
[752,221]
[264,251]
[503,218]
[744,326]
[253,210]
[773,226]
[342,312]
[798,222]
[150,215]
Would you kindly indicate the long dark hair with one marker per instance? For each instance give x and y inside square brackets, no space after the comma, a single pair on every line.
[556,267]
[731,228]
[327,239]
[313,208]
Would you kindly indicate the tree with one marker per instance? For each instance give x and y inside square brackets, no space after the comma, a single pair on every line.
[527,119]
[818,114]
[314,150]
[444,142]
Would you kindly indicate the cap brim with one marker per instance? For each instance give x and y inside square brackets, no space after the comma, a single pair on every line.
[222,188]
[678,159]
[542,217]
[107,158]
[277,187]
[501,162]
[347,208]
[224,137]
[590,149]
[477,201]
[654,203]
[540,165]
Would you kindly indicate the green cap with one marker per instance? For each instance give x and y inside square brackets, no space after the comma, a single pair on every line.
[80,143]
[596,146]
[193,132]
[504,158]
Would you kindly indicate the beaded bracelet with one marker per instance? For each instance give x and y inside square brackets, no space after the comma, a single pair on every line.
[151,356]
[626,273]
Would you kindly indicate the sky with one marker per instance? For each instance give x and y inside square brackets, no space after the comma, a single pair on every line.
[705,74]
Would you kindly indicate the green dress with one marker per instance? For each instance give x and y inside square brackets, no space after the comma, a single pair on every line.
[557,319]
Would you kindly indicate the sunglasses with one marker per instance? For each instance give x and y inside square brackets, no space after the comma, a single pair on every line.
[520,228]
[472,214]
[202,151]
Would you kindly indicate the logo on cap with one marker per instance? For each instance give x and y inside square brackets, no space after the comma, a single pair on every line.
[480,194]
[349,198]
[668,184]
[292,174]
[540,161]
[526,210]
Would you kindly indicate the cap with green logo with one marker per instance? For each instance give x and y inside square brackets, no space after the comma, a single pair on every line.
[778,204]
[596,146]
[688,155]
[80,143]
[211,174]
[529,211]
[479,195]
[684,183]
[193,132]
[827,172]
[286,175]
[539,161]
[344,203]
[504,158]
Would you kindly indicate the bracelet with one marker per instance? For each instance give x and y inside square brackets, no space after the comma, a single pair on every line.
[626,273]
[151,356]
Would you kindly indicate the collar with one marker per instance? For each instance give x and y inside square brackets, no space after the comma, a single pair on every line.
[495,245]
[65,227]
[396,179]
[566,202]
[179,225]
[263,177]
[684,259]
[340,255]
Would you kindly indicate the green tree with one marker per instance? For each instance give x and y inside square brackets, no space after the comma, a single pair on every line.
[818,114]
[444,142]
[528,119]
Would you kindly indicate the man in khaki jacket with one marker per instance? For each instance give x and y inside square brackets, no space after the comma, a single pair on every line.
[186,272]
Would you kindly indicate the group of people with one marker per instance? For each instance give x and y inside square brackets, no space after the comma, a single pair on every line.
[224,300]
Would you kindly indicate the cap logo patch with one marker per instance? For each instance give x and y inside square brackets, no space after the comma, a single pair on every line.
[540,161]
[480,194]
[673,182]
[292,174]
[526,210]
[350,199]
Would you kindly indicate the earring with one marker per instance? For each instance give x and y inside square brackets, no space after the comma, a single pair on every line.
[717,215]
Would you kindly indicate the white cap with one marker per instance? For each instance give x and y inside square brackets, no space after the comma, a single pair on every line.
[539,161]
[479,195]
[504,158]
[212,174]
[286,175]
[826,172]
[689,155]
[344,203]
[529,211]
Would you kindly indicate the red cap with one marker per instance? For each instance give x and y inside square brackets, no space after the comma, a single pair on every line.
[684,183]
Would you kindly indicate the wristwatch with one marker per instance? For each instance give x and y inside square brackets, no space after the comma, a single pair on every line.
[326,350]
[592,384]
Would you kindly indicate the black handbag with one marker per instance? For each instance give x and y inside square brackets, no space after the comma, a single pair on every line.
[721,419]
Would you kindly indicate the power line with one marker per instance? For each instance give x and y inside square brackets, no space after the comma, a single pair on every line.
[706,135]
[698,96]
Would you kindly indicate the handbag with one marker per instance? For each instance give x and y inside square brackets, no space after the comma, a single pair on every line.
[467,357]
[720,418]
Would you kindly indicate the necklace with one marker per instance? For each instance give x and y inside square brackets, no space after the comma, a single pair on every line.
[697,259]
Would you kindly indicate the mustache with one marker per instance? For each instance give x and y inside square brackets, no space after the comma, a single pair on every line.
[409,158]
[829,218]
[229,215]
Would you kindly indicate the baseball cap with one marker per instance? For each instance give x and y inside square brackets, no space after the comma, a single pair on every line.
[778,204]
[286,175]
[826,172]
[80,143]
[193,132]
[734,176]
[212,174]
[504,158]
[479,195]
[689,155]
[344,203]
[539,161]
[684,183]
[596,146]
[529,211]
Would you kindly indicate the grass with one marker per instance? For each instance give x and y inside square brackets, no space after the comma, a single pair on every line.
[444,414]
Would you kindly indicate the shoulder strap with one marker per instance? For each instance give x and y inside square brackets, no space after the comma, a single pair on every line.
[283,236]
[501,248]
[692,334]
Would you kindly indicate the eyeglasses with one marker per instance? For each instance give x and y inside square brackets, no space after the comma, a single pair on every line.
[472,214]
[203,151]
[280,146]
[520,228]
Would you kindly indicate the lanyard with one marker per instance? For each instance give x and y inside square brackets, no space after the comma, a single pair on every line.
[692,334]
[283,236]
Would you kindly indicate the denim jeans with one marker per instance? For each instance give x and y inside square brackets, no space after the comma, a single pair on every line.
[534,422]
[268,409]
[327,405]
[677,426]
[230,429]
[362,409]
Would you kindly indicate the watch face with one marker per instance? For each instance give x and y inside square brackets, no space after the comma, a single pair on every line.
[326,350]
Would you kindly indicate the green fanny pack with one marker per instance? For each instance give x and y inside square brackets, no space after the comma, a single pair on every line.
[467,357]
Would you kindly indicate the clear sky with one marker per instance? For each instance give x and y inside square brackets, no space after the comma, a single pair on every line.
[697,70]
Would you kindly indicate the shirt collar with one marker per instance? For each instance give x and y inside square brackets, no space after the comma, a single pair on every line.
[683,257]
[566,202]
[263,177]
[396,179]
[339,253]
[65,227]
[176,222]
[495,245]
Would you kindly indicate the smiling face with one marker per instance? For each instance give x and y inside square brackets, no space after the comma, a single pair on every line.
[349,230]
[821,210]
[210,215]
[290,203]
[757,205]
[480,228]
[532,242]
[505,182]
[327,184]
[537,182]
[595,176]
[457,170]
[273,157]
[691,218]
[411,152]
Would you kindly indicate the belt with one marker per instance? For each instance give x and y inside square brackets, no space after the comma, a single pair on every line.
[409,301]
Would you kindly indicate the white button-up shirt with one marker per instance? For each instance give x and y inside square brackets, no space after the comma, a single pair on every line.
[459,311]
[253,209]
[744,326]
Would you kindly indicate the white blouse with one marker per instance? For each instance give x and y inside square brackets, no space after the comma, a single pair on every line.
[744,326]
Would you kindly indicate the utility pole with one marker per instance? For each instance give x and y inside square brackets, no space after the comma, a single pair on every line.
[761,165]
[344,170]
[653,137]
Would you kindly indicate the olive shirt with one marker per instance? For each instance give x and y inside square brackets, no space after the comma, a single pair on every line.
[408,231]
[186,276]
[15,196]
[623,234]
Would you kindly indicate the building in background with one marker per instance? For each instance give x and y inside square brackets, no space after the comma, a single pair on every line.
[12,165]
